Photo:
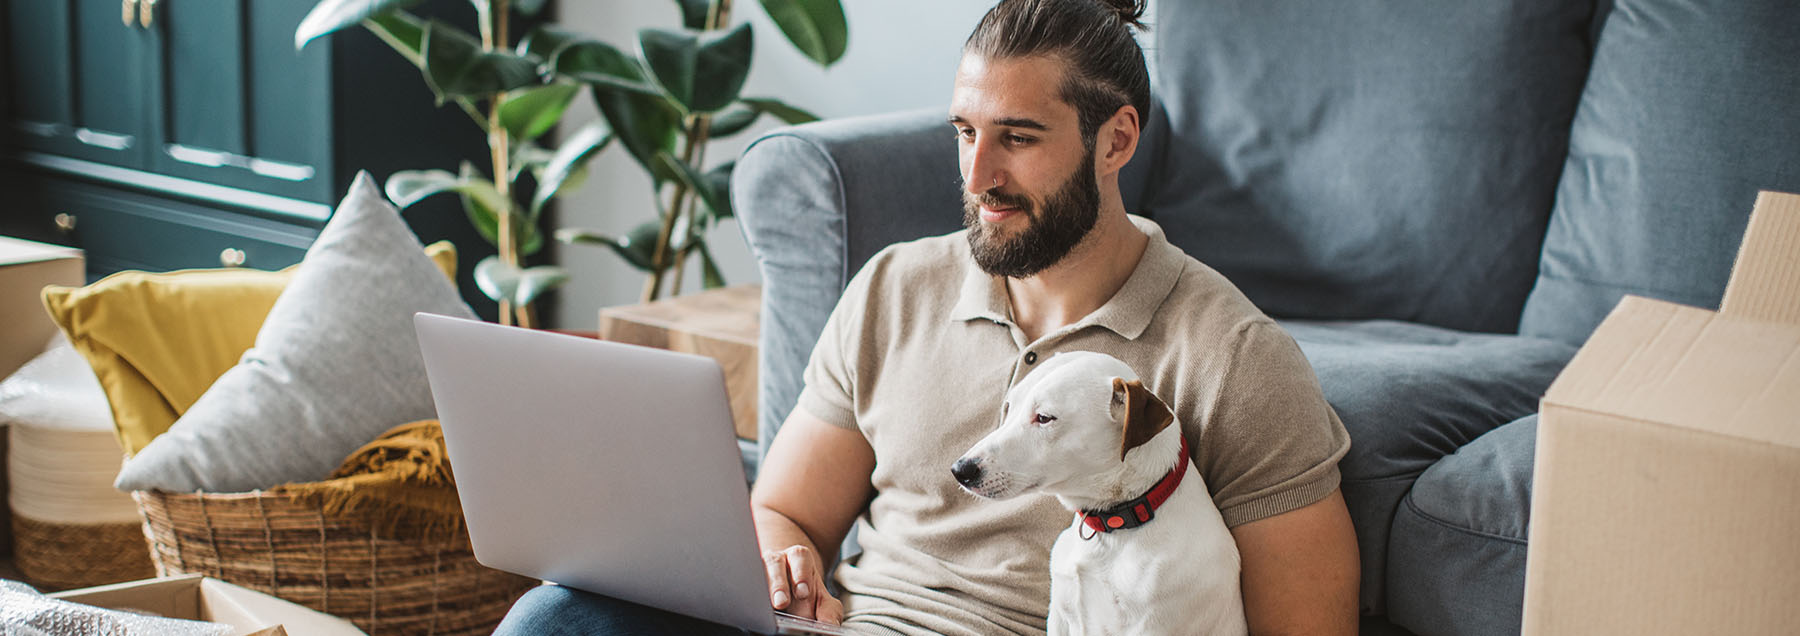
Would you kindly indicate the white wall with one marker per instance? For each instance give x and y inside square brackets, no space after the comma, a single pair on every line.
[902,56]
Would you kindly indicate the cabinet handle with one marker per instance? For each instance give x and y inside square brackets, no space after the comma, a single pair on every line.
[65,222]
[129,10]
[232,257]
[146,12]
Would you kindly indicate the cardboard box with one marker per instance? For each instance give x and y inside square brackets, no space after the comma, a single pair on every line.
[25,268]
[195,597]
[722,324]
[1666,498]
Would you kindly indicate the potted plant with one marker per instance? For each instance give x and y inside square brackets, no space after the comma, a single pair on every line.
[663,101]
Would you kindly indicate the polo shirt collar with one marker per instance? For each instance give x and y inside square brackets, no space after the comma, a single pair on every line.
[1127,313]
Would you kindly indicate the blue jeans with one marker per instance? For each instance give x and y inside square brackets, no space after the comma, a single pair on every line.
[555,610]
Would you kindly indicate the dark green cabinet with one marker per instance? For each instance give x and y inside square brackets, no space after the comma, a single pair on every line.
[161,134]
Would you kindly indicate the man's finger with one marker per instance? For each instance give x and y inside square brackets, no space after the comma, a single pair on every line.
[775,565]
[803,571]
[829,610]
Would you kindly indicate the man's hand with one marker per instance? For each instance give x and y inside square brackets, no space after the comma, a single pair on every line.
[813,482]
[797,584]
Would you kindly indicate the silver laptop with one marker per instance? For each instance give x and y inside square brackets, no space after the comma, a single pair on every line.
[605,467]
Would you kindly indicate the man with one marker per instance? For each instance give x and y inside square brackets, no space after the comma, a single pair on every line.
[916,358]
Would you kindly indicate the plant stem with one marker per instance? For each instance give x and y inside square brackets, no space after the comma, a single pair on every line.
[698,125]
[660,256]
[493,37]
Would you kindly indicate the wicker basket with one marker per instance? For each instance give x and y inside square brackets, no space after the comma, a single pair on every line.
[272,543]
[61,556]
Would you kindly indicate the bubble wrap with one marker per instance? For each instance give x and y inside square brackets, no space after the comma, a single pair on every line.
[24,612]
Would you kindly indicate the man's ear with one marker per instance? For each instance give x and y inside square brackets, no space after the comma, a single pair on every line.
[1145,415]
[1117,139]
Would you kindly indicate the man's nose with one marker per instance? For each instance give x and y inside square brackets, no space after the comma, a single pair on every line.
[967,471]
[984,170]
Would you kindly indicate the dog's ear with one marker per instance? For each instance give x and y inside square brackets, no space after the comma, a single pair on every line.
[1145,415]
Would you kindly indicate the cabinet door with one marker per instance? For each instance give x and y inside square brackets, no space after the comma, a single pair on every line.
[77,80]
[238,106]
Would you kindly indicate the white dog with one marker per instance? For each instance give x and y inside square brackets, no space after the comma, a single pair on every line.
[1148,552]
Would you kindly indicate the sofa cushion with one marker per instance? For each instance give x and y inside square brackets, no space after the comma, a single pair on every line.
[335,364]
[1456,558]
[1410,395]
[1351,160]
[1689,111]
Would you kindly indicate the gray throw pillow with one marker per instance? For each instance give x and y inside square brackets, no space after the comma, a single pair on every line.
[1688,112]
[335,364]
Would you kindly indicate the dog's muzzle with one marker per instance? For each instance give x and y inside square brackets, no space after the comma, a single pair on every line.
[967,471]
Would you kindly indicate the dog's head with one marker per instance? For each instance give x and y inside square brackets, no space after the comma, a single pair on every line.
[1064,429]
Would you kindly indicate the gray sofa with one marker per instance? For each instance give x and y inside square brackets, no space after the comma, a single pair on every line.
[1440,200]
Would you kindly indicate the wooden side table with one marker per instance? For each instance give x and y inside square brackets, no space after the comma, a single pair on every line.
[722,324]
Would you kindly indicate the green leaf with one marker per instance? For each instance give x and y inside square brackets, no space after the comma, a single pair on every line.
[529,7]
[402,31]
[702,72]
[527,155]
[694,12]
[780,110]
[645,125]
[731,121]
[713,188]
[710,276]
[636,247]
[532,112]
[542,43]
[456,66]
[483,214]
[717,190]
[816,27]
[407,187]
[501,281]
[603,66]
[332,16]
[570,159]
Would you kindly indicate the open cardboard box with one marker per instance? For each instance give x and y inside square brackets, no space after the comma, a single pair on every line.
[195,597]
[1666,498]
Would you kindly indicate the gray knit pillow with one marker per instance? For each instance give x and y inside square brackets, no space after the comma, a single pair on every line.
[335,365]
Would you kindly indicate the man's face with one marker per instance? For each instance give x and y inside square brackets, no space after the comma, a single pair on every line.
[1029,189]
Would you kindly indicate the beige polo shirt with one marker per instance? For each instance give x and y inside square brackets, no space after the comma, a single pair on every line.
[919,354]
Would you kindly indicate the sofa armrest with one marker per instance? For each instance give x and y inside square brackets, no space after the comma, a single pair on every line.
[815,202]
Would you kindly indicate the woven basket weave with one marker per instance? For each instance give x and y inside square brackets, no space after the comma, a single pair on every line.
[272,543]
[61,556]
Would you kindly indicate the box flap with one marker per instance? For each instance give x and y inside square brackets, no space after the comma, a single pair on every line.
[15,251]
[1671,364]
[1765,280]
[249,609]
[174,597]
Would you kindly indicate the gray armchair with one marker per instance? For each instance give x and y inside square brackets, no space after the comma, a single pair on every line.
[1439,200]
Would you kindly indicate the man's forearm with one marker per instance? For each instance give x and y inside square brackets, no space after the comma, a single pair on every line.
[775,532]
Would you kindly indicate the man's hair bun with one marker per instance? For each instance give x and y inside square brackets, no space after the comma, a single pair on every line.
[1130,12]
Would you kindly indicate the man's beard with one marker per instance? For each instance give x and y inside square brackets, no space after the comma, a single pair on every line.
[1066,217]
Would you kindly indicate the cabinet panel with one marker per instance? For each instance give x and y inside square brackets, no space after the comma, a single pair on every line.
[79,80]
[122,231]
[239,106]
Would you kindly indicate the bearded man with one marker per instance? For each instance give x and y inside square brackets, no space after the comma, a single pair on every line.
[919,353]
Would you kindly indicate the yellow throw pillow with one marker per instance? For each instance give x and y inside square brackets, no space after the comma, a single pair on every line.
[157,341]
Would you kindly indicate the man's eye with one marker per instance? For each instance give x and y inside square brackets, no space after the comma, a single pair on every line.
[965,133]
[1043,419]
[1018,140]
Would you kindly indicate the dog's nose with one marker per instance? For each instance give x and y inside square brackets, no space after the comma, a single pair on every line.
[967,471]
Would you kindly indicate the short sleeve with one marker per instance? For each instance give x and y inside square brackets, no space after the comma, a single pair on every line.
[1272,443]
[830,377]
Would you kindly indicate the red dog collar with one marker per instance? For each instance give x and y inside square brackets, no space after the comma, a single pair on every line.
[1141,510]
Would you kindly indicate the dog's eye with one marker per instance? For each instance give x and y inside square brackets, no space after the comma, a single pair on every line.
[1044,419]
